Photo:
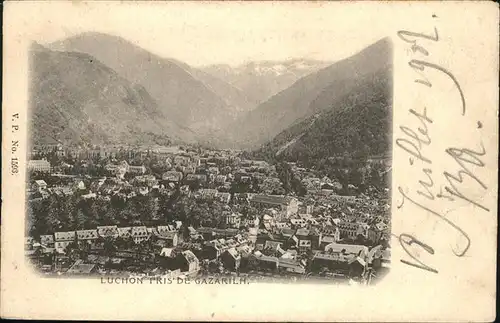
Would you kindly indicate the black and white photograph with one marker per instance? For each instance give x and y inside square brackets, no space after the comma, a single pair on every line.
[253,169]
[249,161]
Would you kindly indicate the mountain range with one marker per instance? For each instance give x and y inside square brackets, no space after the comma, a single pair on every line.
[98,88]
[313,94]
[261,80]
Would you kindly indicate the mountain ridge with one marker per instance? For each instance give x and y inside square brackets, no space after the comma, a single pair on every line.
[90,104]
[310,94]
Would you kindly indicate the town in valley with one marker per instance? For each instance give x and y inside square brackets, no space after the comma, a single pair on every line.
[143,165]
[188,211]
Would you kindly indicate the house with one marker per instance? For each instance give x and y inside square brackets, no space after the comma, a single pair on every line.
[233,220]
[110,231]
[47,240]
[298,223]
[193,178]
[263,239]
[211,233]
[145,180]
[352,229]
[167,258]
[287,205]
[329,234]
[304,239]
[137,169]
[207,194]
[273,247]
[125,232]
[172,176]
[241,197]
[347,265]
[188,262]
[140,234]
[347,249]
[291,266]
[231,259]
[39,166]
[166,239]
[224,197]
[213,249]
[251,221]
[281,225]
[64,239]
[87,235]
[39,185]
[267,263]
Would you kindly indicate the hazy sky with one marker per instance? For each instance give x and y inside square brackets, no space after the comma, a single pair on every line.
[223,33]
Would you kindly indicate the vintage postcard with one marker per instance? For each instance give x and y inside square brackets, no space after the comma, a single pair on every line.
[250,161]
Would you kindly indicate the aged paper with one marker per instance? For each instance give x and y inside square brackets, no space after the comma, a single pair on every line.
[291,161]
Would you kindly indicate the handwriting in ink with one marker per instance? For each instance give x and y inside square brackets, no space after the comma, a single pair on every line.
[463,157]
[413,144]
[414,141]
[421,65]
[459,253]
[413,240]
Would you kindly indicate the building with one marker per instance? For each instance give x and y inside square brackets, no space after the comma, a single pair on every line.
[231,259]
[233,220]
[172,176]
[167,239]
[213,249]
[206,194]
[341,264]
[351,230]
[140,234]
[298,223]
[47,240]
[304,239]
[193,178]
[39,185]
[267,263]
[211,233]
[86,235]
[125,232]
[329,234]
[41,165]
[110,231]
[137,169]
[291,266]
[348,249]
[188,262]
[287,205]
[224,197]
[64,239]
[145,180]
